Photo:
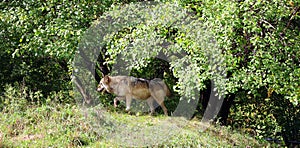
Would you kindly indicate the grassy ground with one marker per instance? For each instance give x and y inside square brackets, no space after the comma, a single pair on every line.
[51,124]
[54,125]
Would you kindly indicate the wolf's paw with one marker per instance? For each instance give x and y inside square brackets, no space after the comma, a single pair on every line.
[129,112]
[152,113]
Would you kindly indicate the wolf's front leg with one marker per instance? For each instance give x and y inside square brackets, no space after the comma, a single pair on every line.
[128,102]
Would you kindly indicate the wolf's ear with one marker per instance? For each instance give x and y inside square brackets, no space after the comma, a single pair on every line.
[106,79]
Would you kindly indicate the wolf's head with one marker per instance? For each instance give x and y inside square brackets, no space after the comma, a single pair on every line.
[104,84]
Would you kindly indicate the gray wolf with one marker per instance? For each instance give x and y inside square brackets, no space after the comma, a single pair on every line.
[128,88]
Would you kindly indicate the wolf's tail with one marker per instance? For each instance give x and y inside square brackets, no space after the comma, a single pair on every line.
[167,90]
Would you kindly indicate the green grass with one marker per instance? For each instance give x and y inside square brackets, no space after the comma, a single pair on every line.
[52,124]
[55,125]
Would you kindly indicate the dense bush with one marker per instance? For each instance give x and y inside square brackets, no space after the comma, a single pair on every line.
[258,42]
[261,42]
[39,38]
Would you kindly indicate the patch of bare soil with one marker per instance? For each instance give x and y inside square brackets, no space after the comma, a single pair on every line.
[28,137]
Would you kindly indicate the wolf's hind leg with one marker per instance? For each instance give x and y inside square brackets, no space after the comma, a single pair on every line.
[160,101]
[162,104]
[150,103]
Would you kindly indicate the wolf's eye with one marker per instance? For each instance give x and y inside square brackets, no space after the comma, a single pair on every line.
[100,84]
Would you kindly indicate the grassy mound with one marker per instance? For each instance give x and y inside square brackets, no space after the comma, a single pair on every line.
[55,125]
[26,122]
